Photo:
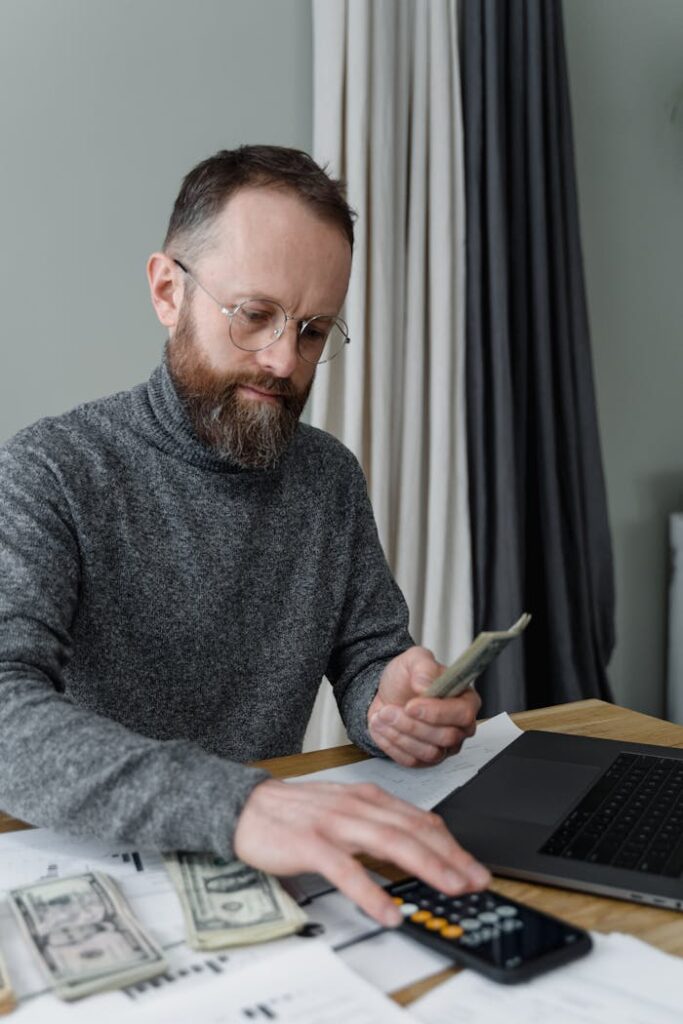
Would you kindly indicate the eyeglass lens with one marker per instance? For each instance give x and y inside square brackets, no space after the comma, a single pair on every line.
[257,323]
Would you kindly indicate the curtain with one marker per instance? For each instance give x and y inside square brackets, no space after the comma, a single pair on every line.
[540,533]
[387,119]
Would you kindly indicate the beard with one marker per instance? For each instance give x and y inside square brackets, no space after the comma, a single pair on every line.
[252,433]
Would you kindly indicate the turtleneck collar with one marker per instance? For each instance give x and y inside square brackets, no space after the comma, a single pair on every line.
[161,409]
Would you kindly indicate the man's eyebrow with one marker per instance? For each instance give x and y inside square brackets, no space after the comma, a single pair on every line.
[245,295]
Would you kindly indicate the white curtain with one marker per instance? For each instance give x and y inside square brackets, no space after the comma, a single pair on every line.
[387,119]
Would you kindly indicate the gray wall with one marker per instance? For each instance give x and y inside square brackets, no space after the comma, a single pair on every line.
[626,73]
[104,106]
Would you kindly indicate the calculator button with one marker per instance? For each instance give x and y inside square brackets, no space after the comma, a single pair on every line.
[508,926]
[488,917]
[435,924]
[452,931]
[471,939]
[398,900]
[506,910]
[439,911]
[470,924]
[408,909]
[421,916]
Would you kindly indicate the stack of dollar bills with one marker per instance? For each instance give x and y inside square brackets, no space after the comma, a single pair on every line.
[228,903]
[84,935]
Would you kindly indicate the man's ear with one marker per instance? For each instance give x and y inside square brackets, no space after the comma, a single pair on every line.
[166,287]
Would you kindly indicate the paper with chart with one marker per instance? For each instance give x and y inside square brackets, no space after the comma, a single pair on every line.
[425,787]
[622,979]
[300,987]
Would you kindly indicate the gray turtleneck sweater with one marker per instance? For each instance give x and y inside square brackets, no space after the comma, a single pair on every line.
[166,616]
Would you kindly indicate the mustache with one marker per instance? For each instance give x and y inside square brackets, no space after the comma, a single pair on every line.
[220,389]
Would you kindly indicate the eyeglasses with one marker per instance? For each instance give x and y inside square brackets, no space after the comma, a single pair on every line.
[254,324]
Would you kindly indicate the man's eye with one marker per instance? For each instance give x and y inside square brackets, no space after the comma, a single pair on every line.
[256,315]
[314,335]
[318,330]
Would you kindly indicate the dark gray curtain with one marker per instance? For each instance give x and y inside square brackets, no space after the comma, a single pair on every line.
[540,533]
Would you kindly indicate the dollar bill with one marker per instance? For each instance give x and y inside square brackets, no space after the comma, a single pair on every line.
[7,998]
[472,662]
[228,903]
[84,935]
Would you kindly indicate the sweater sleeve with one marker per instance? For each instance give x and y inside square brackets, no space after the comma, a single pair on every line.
[62,765]
[374,625]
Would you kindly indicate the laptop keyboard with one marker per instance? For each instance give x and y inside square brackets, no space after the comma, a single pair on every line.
[631,818]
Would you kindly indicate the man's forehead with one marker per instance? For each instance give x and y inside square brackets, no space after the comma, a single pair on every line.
[267,238]
[280,205]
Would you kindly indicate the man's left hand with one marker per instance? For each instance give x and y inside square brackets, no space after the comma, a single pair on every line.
[415,730]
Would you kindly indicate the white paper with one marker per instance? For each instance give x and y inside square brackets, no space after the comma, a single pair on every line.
[622,980]
[425,787]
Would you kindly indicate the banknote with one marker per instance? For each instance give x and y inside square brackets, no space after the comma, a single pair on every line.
[228,903]
[7,999]
[472,662]
[84,934]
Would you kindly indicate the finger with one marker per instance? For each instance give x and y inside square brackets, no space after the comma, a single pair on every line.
[440,736]
[459,711]
[366,802]
[431,853]
[425,753]
[347,875]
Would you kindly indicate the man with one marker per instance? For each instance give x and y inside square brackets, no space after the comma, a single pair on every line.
[182,563]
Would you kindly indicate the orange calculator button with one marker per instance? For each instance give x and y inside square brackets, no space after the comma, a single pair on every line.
[420,916]
[398,900]
[436,924]
[452,931]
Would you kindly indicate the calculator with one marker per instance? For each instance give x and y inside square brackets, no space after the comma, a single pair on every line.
[499,937]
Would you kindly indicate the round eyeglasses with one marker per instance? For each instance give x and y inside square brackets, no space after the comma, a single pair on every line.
[254,324]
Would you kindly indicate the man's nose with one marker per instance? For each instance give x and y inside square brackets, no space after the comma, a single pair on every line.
[281,358]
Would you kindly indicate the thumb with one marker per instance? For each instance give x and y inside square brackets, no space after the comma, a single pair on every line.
[425,671]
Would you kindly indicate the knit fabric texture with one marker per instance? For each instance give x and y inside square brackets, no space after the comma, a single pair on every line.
[166,616]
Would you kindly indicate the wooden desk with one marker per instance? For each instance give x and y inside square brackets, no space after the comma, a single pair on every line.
[662,928]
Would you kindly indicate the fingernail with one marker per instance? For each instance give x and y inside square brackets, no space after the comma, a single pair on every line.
[479,875]
[391,917]
[387,716]
[453,880]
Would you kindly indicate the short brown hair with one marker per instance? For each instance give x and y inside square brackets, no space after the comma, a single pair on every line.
[209,185]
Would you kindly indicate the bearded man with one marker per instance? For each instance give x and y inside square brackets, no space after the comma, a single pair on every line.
[182,563]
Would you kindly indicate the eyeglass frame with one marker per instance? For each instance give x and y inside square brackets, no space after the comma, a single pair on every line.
[302,324]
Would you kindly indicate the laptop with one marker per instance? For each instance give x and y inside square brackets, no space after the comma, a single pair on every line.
[591,814]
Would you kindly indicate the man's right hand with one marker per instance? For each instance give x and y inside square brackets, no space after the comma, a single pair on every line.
[287,827]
